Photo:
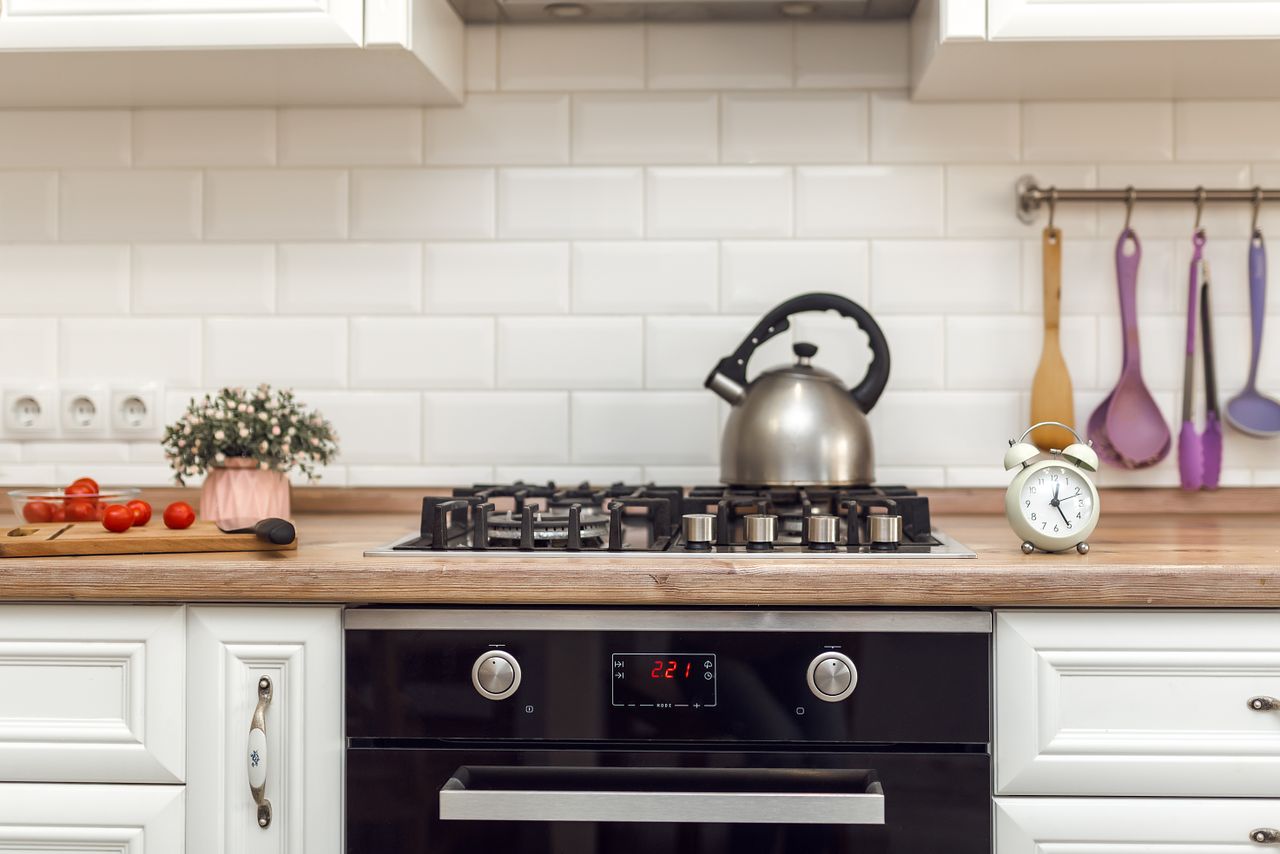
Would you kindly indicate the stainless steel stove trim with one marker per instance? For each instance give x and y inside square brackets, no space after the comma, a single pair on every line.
[625,620]
[950,549]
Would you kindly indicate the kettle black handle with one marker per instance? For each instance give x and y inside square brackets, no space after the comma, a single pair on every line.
[865,393]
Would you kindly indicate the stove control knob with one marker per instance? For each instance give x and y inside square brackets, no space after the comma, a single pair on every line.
[496,675]
[832,677]
[821,532]
[761,530]
[884,531]
[698,531]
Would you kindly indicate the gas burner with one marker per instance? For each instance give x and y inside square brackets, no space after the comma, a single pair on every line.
[549,525]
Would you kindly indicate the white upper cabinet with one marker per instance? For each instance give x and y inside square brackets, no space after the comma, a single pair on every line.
[1057,20]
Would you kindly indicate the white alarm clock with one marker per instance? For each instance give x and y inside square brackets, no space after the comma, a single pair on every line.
[1051,503]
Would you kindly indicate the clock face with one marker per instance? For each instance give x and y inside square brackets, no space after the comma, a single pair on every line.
[1056,502]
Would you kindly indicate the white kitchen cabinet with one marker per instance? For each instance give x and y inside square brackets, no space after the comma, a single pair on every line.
[91,693]
[88,819]
[1131,825]
[1137,703]
[229,650]
[1088,20]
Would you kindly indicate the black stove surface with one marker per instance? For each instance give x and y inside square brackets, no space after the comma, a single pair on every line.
[520,517]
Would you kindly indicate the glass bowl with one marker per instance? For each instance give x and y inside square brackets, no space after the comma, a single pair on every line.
[53,505]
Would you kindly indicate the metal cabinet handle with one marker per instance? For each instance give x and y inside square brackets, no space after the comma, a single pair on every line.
[257,759]
[1264,704]
[1265,836]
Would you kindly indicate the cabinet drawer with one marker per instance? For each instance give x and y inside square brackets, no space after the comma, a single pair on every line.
[91,694]
[89,819]
[1132,825]
[1137,703]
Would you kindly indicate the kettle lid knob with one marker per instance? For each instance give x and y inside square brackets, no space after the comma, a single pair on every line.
[804,351]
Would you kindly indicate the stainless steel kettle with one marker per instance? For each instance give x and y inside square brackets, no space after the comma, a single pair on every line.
[797,425]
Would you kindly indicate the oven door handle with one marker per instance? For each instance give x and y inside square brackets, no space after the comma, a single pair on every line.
[665,795]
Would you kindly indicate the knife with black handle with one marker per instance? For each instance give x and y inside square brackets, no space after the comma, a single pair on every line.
[277,532]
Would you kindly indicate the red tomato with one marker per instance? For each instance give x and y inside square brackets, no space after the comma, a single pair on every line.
[85,481]
[81,488]
[179,515]
[141,511]
[81,510]
[38,511]
[117,518]
[59,512]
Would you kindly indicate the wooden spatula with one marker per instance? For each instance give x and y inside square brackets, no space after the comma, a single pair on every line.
[1051,398]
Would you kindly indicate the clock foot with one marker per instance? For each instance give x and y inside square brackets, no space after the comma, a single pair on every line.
[1083,548]
[1027,548]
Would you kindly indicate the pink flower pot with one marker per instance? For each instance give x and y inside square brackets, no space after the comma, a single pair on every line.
[240,491]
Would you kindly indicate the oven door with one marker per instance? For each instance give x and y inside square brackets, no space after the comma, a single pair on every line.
[443,800]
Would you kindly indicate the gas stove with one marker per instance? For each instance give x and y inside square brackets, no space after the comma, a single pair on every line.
[867,522]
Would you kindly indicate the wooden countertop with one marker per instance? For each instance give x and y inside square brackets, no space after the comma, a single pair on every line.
[1136,560]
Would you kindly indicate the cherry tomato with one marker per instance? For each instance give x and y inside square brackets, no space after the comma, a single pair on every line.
[59,512]
[81,510]
[179,515]
[141,511]
[117,518]
[38,511]
[85,481]
[81,488]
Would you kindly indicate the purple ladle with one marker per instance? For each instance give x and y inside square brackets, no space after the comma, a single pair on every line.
[1250,411]
[1128,428]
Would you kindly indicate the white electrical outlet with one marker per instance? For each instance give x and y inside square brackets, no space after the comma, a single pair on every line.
[30,411]
[135,412]
[84,410]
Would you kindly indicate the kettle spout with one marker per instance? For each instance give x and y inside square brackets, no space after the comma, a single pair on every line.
[728,388]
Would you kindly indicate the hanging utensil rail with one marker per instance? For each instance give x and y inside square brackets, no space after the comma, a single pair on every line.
[1029,196]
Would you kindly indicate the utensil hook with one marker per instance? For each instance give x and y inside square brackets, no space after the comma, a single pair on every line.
[1130,198]
[1200,199]
[1053,205]
[1257,208]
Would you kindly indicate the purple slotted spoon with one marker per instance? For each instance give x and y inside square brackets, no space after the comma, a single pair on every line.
[1128,428]
[1250,411]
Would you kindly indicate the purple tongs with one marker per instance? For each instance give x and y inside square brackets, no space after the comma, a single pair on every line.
[1199,454]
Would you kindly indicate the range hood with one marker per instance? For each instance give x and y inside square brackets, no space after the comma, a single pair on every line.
[534,11]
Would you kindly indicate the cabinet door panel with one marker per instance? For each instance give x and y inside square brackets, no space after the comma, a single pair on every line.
[229,651]
[91,694]
[1130,825]
[1089,20]
[1137,703]
[90,819]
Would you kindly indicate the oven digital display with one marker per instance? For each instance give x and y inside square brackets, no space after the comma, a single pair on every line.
[664,680]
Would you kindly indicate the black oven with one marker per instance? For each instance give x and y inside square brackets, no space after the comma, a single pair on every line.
[684,732]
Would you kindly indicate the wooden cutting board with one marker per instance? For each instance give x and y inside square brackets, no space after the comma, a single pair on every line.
[90,538]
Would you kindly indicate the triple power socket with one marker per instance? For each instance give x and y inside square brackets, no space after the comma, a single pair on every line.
[81,411]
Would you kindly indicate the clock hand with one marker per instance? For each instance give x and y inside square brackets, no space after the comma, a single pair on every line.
[1054,502]
[1064,516]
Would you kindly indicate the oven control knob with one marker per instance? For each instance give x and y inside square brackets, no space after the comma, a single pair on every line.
[832,677]
[496,675]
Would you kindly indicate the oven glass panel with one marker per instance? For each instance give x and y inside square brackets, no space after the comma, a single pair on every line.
[664,680]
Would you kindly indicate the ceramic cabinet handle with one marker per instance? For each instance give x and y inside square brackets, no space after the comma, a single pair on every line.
[257,758]
[1265,836]
[1264,704]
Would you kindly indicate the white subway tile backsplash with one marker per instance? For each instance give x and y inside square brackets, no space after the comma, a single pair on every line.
[64,278]
[374,428]
[174,345]
[742,201]
[284,351]
[28,206]
[1002,352]
[481,278]
[794,127]
[679,352]
[650,277]
[75,452]
[422,352]
[117,474]
[204,137]
[64,138]
[756,275]
[916,349]
[645,428]
[570,352]
[1097,130]
[869,201]
[708,55]
[580,57]
[648,127]
[681,475]
[350,278]
[373,136]
[1230,130]
[954,276]
[204,278]
[852,55]
[556,203]
[401,474]
[28,349]
[482,57]
[907,426]
[422,203]
[500,129]
[570,475]
[19,474]
[502,427]
[138,205]
[978,201]
[906,131]
[265,204]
